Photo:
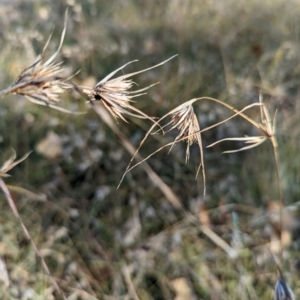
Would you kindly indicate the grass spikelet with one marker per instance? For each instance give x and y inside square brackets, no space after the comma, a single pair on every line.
[186,122]
[42,82]
[115,93]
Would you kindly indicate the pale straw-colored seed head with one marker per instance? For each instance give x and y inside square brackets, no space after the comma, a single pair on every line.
[115,93]
[186,122]
[42,82]
[116,98]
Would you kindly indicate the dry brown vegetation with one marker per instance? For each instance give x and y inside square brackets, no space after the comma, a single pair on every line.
[69,231]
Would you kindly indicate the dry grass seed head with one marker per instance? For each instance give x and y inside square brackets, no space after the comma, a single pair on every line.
[42,82]
[115,95]
[184,119]
[186,122]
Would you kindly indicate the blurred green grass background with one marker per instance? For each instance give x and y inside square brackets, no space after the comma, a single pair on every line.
[131,243]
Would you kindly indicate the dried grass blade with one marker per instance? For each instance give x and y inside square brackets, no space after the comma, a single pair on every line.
[129,283]
[29,194]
